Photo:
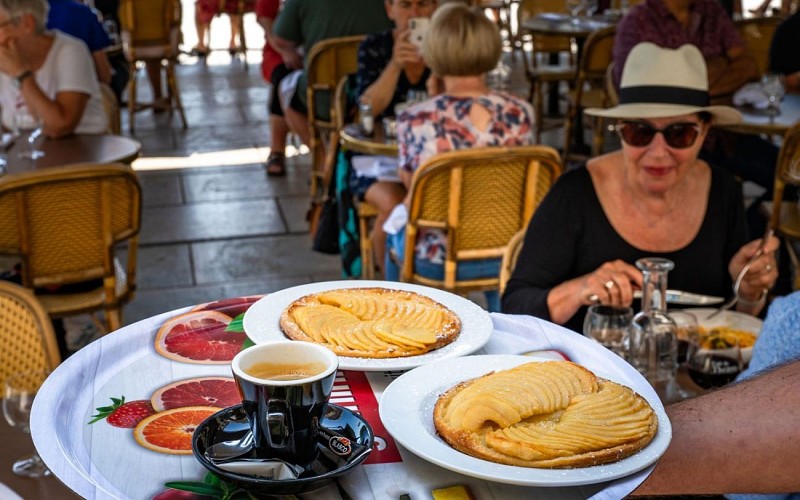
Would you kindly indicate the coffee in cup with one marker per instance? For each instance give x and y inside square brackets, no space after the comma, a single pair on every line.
[285,387]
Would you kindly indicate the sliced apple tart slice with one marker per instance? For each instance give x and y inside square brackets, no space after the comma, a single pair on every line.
[371,322]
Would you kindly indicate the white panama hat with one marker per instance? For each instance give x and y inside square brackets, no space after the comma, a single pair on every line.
[660,83]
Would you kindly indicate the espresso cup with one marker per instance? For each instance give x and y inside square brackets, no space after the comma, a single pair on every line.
[285,387]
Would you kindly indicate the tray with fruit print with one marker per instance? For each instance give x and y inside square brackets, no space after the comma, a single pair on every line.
[126,405]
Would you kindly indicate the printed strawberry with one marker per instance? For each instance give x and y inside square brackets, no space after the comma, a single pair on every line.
[122,414]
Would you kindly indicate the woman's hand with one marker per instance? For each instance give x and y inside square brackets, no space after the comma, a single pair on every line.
[762,273]
[612,283]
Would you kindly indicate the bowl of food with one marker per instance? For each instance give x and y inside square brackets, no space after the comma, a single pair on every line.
[725,330]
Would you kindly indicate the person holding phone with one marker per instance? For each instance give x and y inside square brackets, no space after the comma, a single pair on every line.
[464,113]
[389,65]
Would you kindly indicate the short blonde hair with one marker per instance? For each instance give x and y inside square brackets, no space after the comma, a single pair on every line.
[461,41]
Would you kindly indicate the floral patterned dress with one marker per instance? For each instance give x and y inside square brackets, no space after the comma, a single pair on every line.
[442,124]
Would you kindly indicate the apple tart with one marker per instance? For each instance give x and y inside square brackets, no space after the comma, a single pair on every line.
[371,322]
[553,414]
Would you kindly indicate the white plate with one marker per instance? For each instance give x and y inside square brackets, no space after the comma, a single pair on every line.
[406,410]
[262,323]
[729,319]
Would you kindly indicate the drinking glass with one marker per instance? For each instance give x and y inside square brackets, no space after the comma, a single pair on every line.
[32,127]
[590,7]
[772,84]
[712,362]
[6,141]
[20,389]
[687,329]
[609,325]
[414,96]
[574,7]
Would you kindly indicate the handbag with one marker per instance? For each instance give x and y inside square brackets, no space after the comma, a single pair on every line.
[324,222]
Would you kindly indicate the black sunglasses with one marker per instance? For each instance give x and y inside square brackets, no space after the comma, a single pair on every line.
[640,134]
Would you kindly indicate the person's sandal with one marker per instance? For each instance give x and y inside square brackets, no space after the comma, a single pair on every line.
[275,165]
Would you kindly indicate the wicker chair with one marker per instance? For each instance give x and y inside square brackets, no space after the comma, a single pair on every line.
[65,223]
[480,197]
[757,33]
[27,341]
[150,31]
[510,258]
[536,73]
[590,89]
[111,107]
[327,63]
[785,216]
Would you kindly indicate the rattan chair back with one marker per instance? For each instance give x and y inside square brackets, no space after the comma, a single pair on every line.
[27,340]
[590,87]
[785,216]
[757,33]
[150,31]
[480,197]
[111,107]
[510,258]
[64,223]
[328,61]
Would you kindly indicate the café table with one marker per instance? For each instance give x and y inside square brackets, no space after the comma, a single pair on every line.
[352,139]
[78,148]
[578,28]
[100,461]
[755,121]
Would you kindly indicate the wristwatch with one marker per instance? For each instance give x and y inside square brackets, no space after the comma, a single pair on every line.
[21,77]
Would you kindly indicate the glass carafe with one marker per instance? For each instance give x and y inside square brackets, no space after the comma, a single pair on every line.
[653,348]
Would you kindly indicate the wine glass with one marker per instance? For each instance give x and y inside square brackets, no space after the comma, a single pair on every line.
[6,141]
[25,122]
[713,360]
[574,7]
[687,330]
[590,7]
[414,96]
[20,389]
[609,325]
[772,84]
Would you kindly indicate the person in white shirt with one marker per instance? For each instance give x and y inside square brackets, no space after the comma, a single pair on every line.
[49,73]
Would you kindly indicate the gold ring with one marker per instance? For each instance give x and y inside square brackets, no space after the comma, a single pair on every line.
[609,284]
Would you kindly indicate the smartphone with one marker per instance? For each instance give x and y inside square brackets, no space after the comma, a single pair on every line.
[418,27]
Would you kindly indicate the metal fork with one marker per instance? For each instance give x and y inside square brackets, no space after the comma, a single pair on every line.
[742,273]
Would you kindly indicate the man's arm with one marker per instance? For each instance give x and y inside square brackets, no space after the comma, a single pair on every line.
[742,438]
[728,73]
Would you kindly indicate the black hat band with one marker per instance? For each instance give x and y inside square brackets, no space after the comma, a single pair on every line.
[662,94]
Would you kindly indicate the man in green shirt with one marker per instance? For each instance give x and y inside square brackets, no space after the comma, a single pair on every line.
[302,23]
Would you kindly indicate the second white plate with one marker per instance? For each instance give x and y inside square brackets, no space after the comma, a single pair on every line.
[262,322]
[406,410]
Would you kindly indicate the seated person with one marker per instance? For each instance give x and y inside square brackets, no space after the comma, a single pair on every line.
[654,197]
[782,58]
[273,69]
[464,114]
[704,24]
[51,74]
[389,65]
[78,20]
[303,23]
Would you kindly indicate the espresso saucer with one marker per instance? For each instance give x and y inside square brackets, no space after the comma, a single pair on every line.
[337,455]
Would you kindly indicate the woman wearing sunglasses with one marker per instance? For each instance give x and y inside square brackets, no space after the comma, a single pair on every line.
[653,197]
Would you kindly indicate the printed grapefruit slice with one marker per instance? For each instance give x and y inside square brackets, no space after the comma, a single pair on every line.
[171,431]
[199,337]
[200,391]
[232,307]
